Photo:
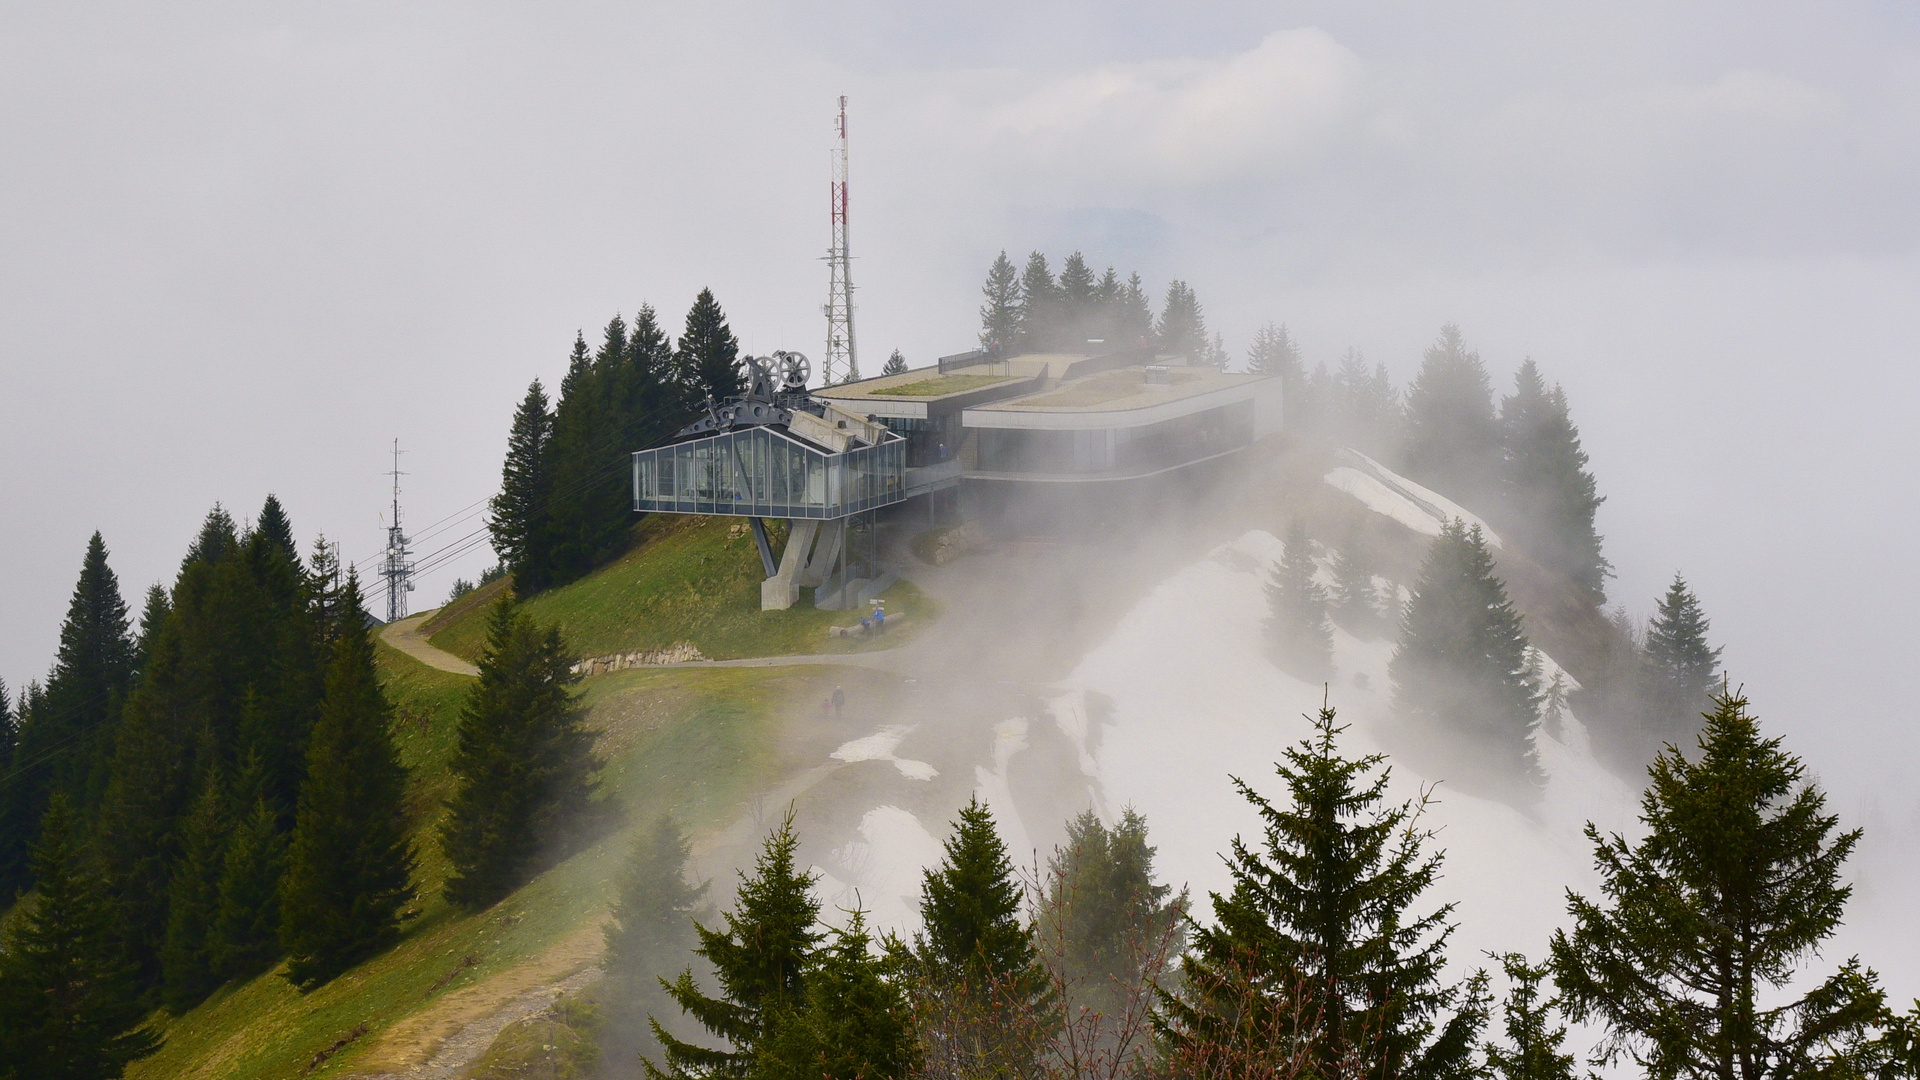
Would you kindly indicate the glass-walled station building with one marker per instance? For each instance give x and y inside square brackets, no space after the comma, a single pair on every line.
[1032,442]
[767,472]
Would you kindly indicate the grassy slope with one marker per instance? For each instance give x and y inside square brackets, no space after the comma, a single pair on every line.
[686,580]
[697,742]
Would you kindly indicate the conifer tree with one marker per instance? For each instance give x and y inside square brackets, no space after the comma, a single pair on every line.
[1365,406]
[983,992]
[761,961]
[1105,924]
[709,354]
[16,834]
[1319,949]
[1462,663]
[1000,314]
[1274,352]
[1354,600]
[1182,330]
[275,526]
[66,744]
[518,522]
[186,958]
[896,364]
[1133,322]
[1702,924]
[970,908]
[1683,668]
[1079,294]
[245,938]
[650,934]
[1107,296]
[348,862]
[581,459]
[1452,439]
[853,1023]
[655,405]
[1549,493]
[1297,627]
[217,537]
[152,616]
[70,1007]
[1533,1047]
[1039,305]
[524,765]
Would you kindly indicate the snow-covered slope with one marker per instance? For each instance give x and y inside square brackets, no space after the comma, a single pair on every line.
[1186,699]
[1386,492]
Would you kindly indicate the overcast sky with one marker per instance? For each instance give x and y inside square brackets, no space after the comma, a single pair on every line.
[244,246]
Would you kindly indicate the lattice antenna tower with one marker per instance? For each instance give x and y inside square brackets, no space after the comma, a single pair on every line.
[397,569]
[841,356]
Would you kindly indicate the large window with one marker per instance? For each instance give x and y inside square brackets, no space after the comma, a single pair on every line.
[761,472]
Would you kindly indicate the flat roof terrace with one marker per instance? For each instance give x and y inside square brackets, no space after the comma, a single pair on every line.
[1132,396]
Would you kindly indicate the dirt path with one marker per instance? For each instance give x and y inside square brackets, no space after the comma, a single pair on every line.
[405,635]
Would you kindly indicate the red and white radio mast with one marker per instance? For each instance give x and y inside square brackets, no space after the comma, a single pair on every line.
[841,356]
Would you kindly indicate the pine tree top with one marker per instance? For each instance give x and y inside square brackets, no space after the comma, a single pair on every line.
[275,526]
[96,654]
[971,905]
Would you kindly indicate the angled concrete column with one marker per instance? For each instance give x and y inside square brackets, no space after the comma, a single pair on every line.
[779,591]
[833,535]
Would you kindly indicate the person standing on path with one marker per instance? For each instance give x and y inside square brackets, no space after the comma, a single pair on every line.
[839,702]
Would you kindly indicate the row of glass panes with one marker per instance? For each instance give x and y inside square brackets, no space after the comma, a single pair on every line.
[763,473]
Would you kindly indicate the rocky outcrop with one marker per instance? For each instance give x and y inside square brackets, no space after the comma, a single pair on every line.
[681,652]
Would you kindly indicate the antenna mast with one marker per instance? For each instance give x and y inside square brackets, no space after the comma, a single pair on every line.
[397,570]
[841,356]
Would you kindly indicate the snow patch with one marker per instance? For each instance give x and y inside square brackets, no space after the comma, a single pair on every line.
[1386,492]
[880,746]
[880,871]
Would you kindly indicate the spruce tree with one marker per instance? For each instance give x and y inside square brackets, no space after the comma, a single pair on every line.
[1039,305]
[580,460]
[1462,664]
[275,526]
[1532,1050]
[1134,317]
[1549,494]
[1319,948]
[761,961]
[16,833]
[245,938]
[1105,925]
[517,521]
[854,1023]
[70,1006]
[1274,352]
[650,934]
[66,744]
[709,354]
[152,616]
[983,991]
[1301,639]
[1079,294]
[1000,314]
[970,908]
[896,364]
[1365,406]
[1452,441]
[1182,330]
[1354,600]
[1703,923]
[187,966]
[1105,322]
[348,862]
[656,404]
[1683,668]
[523,767]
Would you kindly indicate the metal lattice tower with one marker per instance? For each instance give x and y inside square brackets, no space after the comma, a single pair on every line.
[396,569]
[841,357]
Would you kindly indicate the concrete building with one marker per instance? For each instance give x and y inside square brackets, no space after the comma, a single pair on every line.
[1038,442]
